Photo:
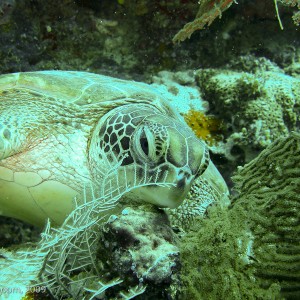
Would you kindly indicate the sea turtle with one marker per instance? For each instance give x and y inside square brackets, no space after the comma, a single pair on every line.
[62,130]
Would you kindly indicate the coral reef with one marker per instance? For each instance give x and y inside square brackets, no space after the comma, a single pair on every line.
[256,107]
[250,251]
[247,250]
[103,37]
[248,79]
[122,38]
[239,110]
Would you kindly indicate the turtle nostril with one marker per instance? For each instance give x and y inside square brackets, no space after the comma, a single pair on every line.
[185,173]
[184,178]
[181,183]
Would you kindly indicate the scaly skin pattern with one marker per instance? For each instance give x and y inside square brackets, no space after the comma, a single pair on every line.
[61,131]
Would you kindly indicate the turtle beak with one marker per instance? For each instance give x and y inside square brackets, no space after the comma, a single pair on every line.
[175,196]
[169,196]
[184,178]
[215,179]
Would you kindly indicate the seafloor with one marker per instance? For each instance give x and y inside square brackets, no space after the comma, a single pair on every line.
[237,84]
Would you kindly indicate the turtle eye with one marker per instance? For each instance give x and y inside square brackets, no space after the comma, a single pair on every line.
[144,145]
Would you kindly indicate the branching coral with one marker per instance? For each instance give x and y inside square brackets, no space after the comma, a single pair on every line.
[209,10]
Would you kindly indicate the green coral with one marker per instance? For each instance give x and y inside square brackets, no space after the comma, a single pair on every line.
[251,250]
[269,190]
[215,260]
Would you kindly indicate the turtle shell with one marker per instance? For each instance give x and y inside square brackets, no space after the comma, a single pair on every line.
[83,88]
[46,118]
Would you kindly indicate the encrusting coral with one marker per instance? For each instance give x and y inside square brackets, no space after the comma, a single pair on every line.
[256,107]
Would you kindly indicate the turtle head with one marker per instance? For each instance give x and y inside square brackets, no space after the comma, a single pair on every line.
[155,156]
[171,151]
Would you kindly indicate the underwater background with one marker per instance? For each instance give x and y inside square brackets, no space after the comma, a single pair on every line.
[234,75]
